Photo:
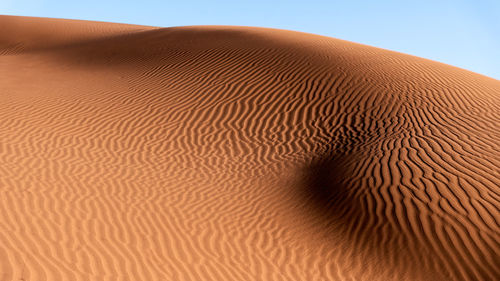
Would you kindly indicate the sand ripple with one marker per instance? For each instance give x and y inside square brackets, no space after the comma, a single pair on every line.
[234,153]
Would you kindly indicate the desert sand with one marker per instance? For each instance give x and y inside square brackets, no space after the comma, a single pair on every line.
[238,153]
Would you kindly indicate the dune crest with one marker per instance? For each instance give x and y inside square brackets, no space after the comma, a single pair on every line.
[238,153]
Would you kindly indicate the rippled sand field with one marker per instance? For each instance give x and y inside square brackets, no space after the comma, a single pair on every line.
[237,153]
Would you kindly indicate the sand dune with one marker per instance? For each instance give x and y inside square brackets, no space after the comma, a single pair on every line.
[237,153]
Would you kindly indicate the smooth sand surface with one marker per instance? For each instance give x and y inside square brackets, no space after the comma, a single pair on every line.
[237,153]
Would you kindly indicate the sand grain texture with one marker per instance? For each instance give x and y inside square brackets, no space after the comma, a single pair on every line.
[237,153]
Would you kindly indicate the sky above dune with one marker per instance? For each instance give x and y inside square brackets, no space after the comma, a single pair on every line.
[461,33]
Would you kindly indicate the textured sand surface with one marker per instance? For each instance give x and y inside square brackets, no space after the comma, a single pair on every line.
[234,153]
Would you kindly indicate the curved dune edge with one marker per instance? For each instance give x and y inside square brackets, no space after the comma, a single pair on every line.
[237,153]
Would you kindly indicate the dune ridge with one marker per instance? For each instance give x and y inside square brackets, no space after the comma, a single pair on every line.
[239,153]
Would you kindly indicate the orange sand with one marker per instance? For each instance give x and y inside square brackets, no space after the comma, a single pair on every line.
[237,153]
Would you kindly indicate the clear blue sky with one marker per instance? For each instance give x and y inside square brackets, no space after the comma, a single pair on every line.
[464,33]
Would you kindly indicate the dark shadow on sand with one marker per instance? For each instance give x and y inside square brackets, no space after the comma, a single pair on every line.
[345,205]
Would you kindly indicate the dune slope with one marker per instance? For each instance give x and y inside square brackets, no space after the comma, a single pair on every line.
[237,153]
